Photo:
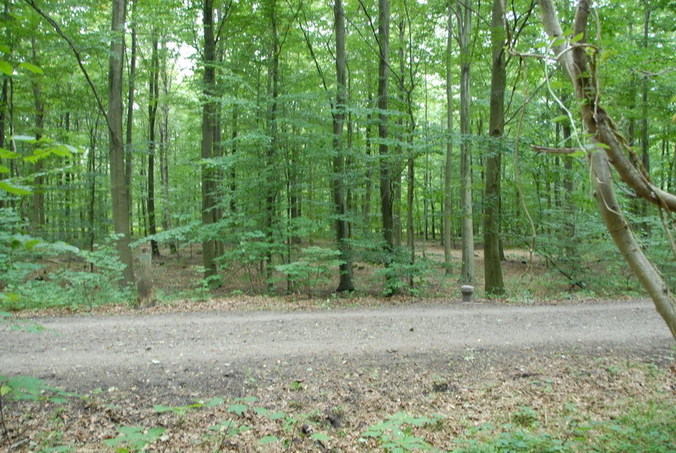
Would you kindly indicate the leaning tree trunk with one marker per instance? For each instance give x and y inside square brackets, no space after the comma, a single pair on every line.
[612,149]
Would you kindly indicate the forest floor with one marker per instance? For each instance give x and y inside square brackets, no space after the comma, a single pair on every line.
[244,373]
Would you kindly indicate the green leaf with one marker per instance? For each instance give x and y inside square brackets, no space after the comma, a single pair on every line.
[320,437]
[4,48]
[7,154]
[276,415]
[577,37]
[6,68]
[4,169]
[32,68]
[268,440]
[561,118]
[237,408]
[214,402]
[14,189]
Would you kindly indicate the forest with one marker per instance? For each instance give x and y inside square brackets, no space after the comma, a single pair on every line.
[243,225]
[348,147]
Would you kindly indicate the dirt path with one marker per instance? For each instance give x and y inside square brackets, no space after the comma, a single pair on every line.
[206,349]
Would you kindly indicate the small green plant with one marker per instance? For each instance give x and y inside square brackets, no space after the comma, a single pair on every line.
[526,417]
[292,427]
[134,438]
[314,267]
[395,434]
[27,388]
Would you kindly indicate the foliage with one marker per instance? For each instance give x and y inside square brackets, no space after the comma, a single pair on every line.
[312,268]
[396,433]
[87,278]
[134,438]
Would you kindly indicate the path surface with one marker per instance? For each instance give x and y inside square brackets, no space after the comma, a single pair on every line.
[198,349]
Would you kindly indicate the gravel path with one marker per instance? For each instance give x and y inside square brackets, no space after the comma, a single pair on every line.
[202,349]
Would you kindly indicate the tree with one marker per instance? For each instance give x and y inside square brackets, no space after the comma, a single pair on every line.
[209,107]
[339,186]
[118,186]
[464,14]
[386,199]
[609,148]
[448,159]
[493,282]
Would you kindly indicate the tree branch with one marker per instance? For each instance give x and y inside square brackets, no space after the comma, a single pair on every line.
[78,57]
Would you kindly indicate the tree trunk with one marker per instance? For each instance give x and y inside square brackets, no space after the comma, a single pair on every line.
[386,204]
[465,28]
[129,146]
[153,101]
[493,282]
[574,60]
[164,148]
[271,195]
[118,180]
[207,147]
[339,185]
[448,163]
[38,208]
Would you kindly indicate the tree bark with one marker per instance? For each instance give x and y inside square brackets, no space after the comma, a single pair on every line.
[465,29]
[599,125]
[38,208]
[448,163]
[129,145]
[118,181]
[271,192]
[339,185]
[153,101]
[386,200]
[493,282]
[164,147]
[207,146]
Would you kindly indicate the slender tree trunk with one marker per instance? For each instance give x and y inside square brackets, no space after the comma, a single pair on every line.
[339,185]
[465,28]
[118,180]
[38,209]
[3,122]
[448,163]
[233,152]
[386,199]
[164,148]
[645,136]
[129,145]
[208,117]
[493,282]
[153,102]
[91,170]
[369,170]
[271,195]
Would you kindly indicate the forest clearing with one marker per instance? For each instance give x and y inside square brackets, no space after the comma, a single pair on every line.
[232,225]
